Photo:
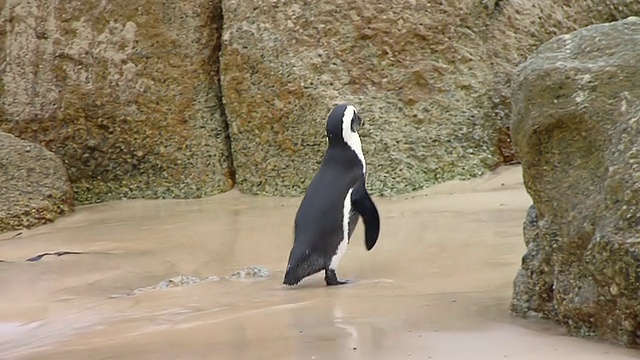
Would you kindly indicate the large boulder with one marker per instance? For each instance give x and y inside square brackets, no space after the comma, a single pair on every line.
[430,78]
[34,186]
[576,129]
[125,92]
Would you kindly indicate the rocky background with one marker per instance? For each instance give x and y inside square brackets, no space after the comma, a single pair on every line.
[127,94]
[36,190]
[108,100]
[430,78]
[576,128]
[186,99]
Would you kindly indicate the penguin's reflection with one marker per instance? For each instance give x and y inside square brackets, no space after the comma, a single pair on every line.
[340,322]
[329,328]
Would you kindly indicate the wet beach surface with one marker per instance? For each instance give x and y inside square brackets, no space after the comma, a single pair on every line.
[436,286]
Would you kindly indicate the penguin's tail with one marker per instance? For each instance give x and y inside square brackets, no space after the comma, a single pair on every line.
[307,265]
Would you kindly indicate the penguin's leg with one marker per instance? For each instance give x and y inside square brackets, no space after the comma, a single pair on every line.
[331,278]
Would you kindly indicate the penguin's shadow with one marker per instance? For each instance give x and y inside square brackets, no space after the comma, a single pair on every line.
[315,283]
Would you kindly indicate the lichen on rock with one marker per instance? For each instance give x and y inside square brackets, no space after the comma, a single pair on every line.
[430,79]
[126,93]
[34,186]
[576,112]
[130,95]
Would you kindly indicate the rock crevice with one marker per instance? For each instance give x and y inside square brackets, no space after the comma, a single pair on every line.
[218,21]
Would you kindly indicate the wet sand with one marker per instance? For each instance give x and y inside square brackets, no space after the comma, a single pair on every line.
[436,286]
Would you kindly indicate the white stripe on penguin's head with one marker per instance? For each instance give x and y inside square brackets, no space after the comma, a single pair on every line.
[351,122]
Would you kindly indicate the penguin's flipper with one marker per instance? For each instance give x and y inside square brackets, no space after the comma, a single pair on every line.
[363,205]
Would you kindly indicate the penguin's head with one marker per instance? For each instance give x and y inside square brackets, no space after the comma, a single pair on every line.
[343,125]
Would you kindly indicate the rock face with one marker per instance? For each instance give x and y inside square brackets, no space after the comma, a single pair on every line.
[126,93]
[576,129]
[430,79]
[35,187]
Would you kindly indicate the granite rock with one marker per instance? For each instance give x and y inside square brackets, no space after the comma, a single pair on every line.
[576,129]
[35,187]
[125,93]
[129,95]
[430,79]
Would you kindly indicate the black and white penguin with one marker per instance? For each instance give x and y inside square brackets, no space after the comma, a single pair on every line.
[335,199]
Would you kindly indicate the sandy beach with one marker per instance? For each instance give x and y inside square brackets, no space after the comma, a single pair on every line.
[436,286]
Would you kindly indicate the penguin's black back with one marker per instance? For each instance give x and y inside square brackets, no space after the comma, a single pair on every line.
[318,224]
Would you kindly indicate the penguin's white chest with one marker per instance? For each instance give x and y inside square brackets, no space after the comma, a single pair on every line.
[342,247]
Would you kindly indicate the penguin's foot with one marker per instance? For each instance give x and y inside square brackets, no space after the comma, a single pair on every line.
[331,278]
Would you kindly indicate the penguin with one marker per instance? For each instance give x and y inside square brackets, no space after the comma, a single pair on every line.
[333,202]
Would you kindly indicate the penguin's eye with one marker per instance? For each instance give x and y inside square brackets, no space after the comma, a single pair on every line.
[355,123]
